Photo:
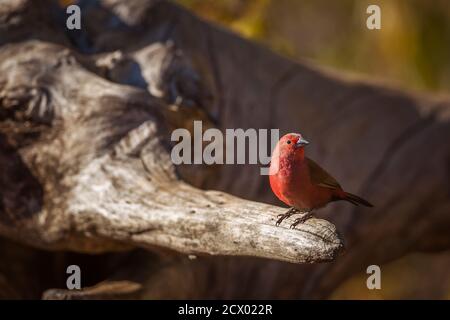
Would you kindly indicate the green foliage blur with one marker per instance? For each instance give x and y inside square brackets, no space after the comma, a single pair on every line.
[412,49]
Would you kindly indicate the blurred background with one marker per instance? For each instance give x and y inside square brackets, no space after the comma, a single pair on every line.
[411,51]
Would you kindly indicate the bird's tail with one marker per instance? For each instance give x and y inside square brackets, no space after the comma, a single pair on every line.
[356,200]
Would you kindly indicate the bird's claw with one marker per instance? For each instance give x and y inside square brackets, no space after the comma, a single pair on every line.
[297,222]
[300,220]
[280,217]
[285,215]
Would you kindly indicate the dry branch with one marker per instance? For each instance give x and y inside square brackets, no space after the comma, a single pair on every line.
[108,180]
[107,290]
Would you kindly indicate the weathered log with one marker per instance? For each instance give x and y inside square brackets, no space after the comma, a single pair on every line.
[107,180]
[107,290]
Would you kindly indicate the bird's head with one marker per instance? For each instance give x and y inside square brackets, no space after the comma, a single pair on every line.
[289,148]
[292,142]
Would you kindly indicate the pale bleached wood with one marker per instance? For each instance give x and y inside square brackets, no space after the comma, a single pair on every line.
[111,182]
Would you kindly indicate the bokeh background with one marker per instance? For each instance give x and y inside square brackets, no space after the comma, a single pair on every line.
[411,51]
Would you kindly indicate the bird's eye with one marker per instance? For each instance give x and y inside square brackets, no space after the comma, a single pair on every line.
[288,142]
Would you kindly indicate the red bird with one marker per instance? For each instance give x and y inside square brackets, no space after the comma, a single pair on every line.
[301,183]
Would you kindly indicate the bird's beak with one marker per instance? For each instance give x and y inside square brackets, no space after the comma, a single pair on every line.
[301,142]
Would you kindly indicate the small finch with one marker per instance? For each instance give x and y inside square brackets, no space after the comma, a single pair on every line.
[301,183]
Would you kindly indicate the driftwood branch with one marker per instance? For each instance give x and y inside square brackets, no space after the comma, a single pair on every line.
[113,182]
[140,201]
[107,290]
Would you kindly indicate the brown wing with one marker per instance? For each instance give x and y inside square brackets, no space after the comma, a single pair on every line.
[320,177]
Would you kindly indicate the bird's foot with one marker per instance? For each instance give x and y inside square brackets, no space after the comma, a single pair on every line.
[302,219]
[285,215]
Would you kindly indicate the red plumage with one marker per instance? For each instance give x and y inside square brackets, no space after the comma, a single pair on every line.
[300,182]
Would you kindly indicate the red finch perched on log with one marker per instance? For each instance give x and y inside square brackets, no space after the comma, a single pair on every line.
[301,183]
